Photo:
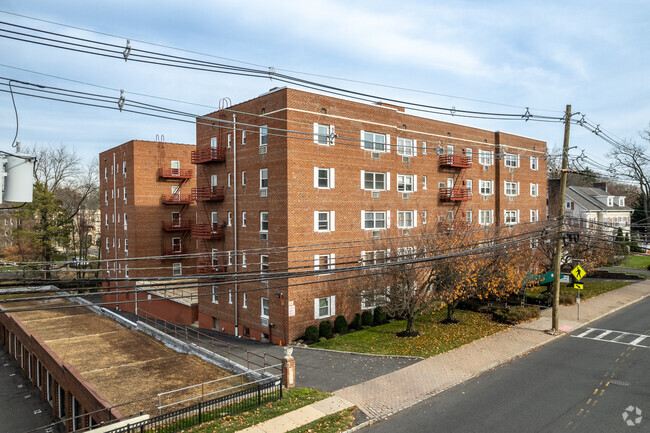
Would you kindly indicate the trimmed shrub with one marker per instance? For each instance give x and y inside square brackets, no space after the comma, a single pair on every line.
[379,316]
[356,322]
[311,333]
[513,315]
[325,329]
[340,324]
[567,298]
[366,318]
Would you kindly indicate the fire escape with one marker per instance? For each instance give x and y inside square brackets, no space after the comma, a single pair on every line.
[456,192]
[178,226]
[211,230]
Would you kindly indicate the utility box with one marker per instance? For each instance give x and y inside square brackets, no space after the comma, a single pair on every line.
[18,177]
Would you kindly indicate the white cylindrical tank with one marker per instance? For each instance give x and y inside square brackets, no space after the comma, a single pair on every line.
[19,181]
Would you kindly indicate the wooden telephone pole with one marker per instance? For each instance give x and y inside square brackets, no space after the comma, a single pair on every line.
[557,259]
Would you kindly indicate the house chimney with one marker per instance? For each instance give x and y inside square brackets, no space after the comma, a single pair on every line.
[601,185]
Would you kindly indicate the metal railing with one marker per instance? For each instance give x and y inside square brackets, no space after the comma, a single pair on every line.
[455,194]
[208,155]
[176,198]
[208,193]
[207,231]
[455,161]
[176,173]
[176,225]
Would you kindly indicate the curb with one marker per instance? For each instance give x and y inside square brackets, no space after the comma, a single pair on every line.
[490,367]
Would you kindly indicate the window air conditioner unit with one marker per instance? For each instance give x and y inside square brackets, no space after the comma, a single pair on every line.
[376,234]
[263,150]
[512,170]
[374,155]
[406,195]
[406,232]
[375,194]
[263,192]
[264,236]
[264,321]
[486,198]
[511,198]
[406,159]
[486,168]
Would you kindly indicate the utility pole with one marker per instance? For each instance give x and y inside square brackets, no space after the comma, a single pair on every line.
[557,260]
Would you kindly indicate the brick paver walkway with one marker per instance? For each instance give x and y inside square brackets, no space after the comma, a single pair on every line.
[392,392]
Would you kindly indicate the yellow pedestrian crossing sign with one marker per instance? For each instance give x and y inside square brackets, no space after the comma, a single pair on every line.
[578,273]
[578,286]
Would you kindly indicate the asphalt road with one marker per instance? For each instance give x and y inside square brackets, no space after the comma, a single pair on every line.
[570,385]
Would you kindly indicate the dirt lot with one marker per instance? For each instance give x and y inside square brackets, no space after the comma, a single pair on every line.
[127,367]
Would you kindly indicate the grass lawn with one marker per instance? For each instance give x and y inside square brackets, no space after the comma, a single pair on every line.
[292,399]
[435,337]
[337,422]
[591,289]
[638,262]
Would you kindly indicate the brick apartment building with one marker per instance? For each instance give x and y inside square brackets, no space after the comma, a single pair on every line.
[146,211]
[292,179]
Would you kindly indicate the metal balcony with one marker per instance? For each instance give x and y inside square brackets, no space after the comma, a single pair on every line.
[174,250]
[176,199]
[176,226]
[208,266]
[455,161]
[210,154]
[455,194]
[208,193]
[207,231]
[175,173]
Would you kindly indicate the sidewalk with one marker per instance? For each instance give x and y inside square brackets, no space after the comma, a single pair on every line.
[390,393]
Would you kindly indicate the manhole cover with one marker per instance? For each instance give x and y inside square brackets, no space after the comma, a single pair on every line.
[619,382]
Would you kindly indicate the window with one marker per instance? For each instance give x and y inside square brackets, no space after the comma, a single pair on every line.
[105,174]
[126,271]
[323,262]
[125,221]
[264,135]
[374,142]
[245,300]
[213,142]
[374,257]
[405,219]
[106,220]
[215,294]
[324,221]
[126,246]
[610,201]
[534,216]
[243,178]
[264,221]
[485,157]
[106,243]
[621,201]
[511,188]
[177,269]
[229,180]
[265,308]
[124,195]
[374,181]
[511,160]
[106,198]
[324,307]
[534,190]
[534,163]
[229,140]
[264,178]
[450,215]
[424,217]
[485,217]
[485,187]
[243,138]
[511,216]
[229,219]
[468,216]
[230,296]
[323,178]
[373,220]
[124,169]
[214,219]
[406,147]
[424,182]
[264,264]
[243,260]
[468,185]
[213,180]
[243,219]
[324,134]
[424,148]
[405,183]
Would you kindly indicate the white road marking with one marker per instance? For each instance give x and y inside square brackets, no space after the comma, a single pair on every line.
[604,332]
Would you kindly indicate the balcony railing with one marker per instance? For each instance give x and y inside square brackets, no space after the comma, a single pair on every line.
[208,193]
[174,249]
[208,266]
[207,231]
[208,155]
[455,161]
[176,199]
[455,194]
[176,173]
[178,225]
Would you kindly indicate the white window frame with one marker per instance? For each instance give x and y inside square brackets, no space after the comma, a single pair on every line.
[215,294]
[264,263]
[534,163]
[243,138]
[510,160]
[406,146]
[243,219]
[510,217]
[402,183]
[328,305]
[534,189]
[329,179]
[264,178]
[403,218]
[485,157]
[264,219]
[264,312]
[245,300]
[177,269]
[329,221]
[213,142]
[511,189]
[326,138]
[243,178]
[486,187]
[329,258]
[264,135]
[534,215]
[229,180]
[370,138]
[424,182]
[229,219]
[374,175]
[374,219]
[482,214]
[229,144]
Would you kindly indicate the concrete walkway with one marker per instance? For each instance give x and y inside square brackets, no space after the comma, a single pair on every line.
[390,393]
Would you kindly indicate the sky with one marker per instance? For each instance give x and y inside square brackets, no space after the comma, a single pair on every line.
[497,56]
